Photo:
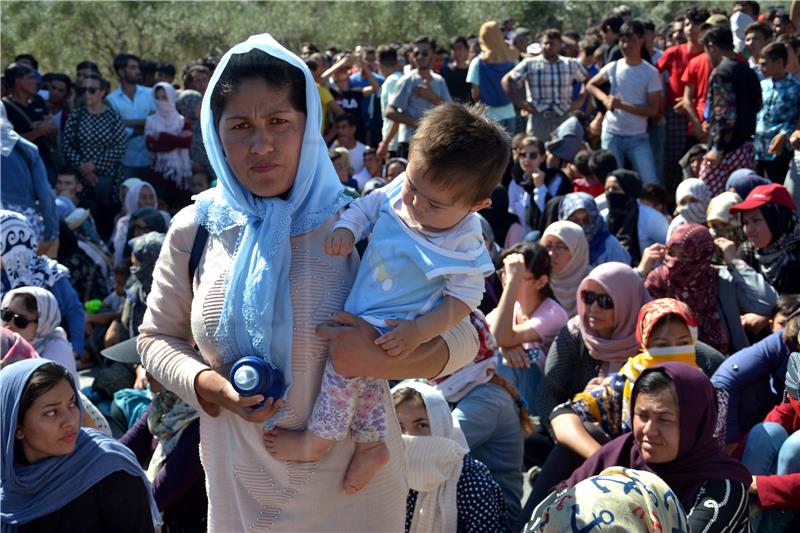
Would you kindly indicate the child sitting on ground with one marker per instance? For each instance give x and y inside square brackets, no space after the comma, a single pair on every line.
[421,274]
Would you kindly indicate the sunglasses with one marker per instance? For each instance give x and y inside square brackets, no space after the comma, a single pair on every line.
[528,155]
[90,90]
[20,321]
[603,300]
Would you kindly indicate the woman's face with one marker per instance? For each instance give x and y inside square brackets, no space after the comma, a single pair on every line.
[50,426]
[656,425]
[394,170]
[200,82]
[579,217]
[413,419]
[530,158]
[599,319]
[612,185]
[161,94]
[92,92]
[560,256]
[756,228]
[146,198]
[688,199]
[669,333]
[17,307]
[262,135]
[676,250]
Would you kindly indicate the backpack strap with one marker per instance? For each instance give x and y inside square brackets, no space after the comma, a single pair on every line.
[198,247]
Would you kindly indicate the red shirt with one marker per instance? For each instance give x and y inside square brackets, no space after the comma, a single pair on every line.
[697,73]
[675,60]
[781,492]
[588,185]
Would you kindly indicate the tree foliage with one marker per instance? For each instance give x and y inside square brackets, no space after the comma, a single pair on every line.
[60,34]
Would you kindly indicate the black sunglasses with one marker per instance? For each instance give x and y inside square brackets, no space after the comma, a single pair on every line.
[531,155]
[90,90]
[603,300]
[20,321]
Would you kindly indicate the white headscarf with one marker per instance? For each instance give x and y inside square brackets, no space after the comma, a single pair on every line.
[49,320]
[433,464]
[694,212]
[565,284]
[176,164]
[120,235]
[8,137]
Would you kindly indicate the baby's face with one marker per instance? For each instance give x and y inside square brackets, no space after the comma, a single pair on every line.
[433,207]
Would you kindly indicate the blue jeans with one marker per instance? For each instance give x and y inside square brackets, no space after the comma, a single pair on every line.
[658,139]
[636,148]
[770,450]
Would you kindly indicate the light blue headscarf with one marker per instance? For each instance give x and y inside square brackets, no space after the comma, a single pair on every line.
[596,230]
[257,313]
[33,491]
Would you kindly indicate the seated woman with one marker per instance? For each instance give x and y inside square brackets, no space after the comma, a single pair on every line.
[743,181]
[33,313]
[692,198]
[493,417]
[580,208]
[717,296]
[58,476]
[634,501]
[770,223]
[772,455]
[569,258]
[674,418]
[527,318]
[139,196]
[448,489]
[666,331]
[721,224]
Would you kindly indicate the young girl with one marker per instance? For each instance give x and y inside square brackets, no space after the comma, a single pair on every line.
[528,318]
[530,156]
[421,274]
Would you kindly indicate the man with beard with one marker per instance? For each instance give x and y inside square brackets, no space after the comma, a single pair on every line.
[134,103]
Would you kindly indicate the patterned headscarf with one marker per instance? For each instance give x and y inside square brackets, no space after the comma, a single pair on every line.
[693,281]
[694,212]
[595,230]
[793,376]
[49,316]
[618,499]
[21,265]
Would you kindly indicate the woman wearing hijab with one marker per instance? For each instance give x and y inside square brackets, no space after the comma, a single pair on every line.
[692,198]
[636,225]
[634,501]
[33,313]
[580,208]
[719,220]
[487,69]
[22,267]
[675,419]
[596,342]
[772,455]
[769,221]
[56,475]
[139,196]
[569,257]
[449,490]
[264,287]
[168,134]
[717,296]
[743,181]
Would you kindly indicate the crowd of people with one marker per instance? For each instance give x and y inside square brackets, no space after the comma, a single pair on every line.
[480,278]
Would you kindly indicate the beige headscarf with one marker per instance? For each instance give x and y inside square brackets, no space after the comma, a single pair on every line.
[433,464]
[565,284]
[494,48]
[719,206]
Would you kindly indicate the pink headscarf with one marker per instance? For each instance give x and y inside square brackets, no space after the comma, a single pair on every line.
[14,348]
[626,289]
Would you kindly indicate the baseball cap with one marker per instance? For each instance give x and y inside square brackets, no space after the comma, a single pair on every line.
[773,193]
[717,18]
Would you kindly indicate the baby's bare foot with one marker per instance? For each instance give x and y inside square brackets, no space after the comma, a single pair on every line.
[367,459]
[300,446]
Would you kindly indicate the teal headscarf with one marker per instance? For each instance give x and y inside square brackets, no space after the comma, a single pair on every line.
[257,313]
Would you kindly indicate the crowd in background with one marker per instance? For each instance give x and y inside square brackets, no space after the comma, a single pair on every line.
[641,326]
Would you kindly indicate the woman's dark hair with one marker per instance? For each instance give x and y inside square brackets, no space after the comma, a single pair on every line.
[42,380]
[526,422]
[29,301]
[257,64]
[537,262]
[407,394]
[780,219]
[651,383]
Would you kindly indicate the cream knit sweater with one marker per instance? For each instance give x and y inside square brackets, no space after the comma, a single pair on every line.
[248,490]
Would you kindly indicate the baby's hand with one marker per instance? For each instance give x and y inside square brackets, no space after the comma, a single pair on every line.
[339,242]
[402,340]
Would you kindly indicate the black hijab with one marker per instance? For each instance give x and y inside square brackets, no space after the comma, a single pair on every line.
[623,212]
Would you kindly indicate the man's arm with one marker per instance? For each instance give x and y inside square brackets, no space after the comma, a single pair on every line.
[398,116]
[509,85]
[652,108]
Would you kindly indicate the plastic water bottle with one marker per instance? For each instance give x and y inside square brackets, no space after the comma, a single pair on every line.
[252,375]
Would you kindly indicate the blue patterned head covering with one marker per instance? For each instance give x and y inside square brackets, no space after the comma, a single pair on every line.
[257,312]
[793,376]
[31,491]
[595,230]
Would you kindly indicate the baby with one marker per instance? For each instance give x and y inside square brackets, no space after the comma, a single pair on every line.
[421,274]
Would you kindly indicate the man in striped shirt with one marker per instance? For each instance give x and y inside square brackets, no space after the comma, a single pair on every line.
[548,79]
